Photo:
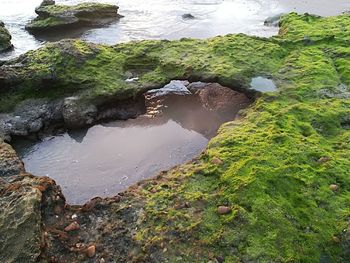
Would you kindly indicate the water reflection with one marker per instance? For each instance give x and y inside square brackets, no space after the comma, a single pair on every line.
[107,158]
[263,84]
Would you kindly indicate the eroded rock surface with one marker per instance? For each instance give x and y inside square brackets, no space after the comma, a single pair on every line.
[10,164]
[22,200]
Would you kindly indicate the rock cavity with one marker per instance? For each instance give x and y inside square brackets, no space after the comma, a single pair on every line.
[107,158]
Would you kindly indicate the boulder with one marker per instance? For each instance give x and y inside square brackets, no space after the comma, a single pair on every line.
[51,16]
[20,221]
[26,201]
[5,38]
[273,21]
[77,114]
[188,16]
[10,164]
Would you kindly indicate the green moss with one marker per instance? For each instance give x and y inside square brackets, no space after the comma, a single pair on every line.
[296,28]
[48,22]
[59,9]
[99,71]
[278,159]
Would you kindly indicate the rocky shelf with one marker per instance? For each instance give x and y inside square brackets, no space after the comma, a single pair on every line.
[273,186]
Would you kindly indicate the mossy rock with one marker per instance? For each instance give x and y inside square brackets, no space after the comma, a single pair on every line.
[58,17]
[5,38]
[278,163]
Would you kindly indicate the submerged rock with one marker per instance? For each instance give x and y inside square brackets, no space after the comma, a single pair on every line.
[224,210]
[175,87]
[188,16]
[51,16]
[5,38]
[47,2]
[273,20]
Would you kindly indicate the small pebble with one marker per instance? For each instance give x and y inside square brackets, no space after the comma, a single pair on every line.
[91,251]
[57,210]
[324,159]
[72,226]
[334,187]
[216,161]
[223,210]
[336,239]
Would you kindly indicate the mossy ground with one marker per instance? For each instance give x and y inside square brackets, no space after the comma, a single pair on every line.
[278,159]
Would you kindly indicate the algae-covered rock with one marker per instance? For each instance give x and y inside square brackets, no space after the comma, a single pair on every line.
[10,164]
[53,17]
[26,202]
[267,166]
[5,38]
[20,222]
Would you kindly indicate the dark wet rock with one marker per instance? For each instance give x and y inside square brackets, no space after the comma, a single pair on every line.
[5,38]
[36,116]
[30,116]
[215,97]
[195,86]
[47,2]
[53,17]
[77,114]
[175,87]
[273,20]
[188,16]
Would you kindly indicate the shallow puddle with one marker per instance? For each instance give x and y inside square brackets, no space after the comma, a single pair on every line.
[262,84]
[107,158]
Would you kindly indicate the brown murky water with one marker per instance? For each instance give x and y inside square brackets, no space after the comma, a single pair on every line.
[107,158]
